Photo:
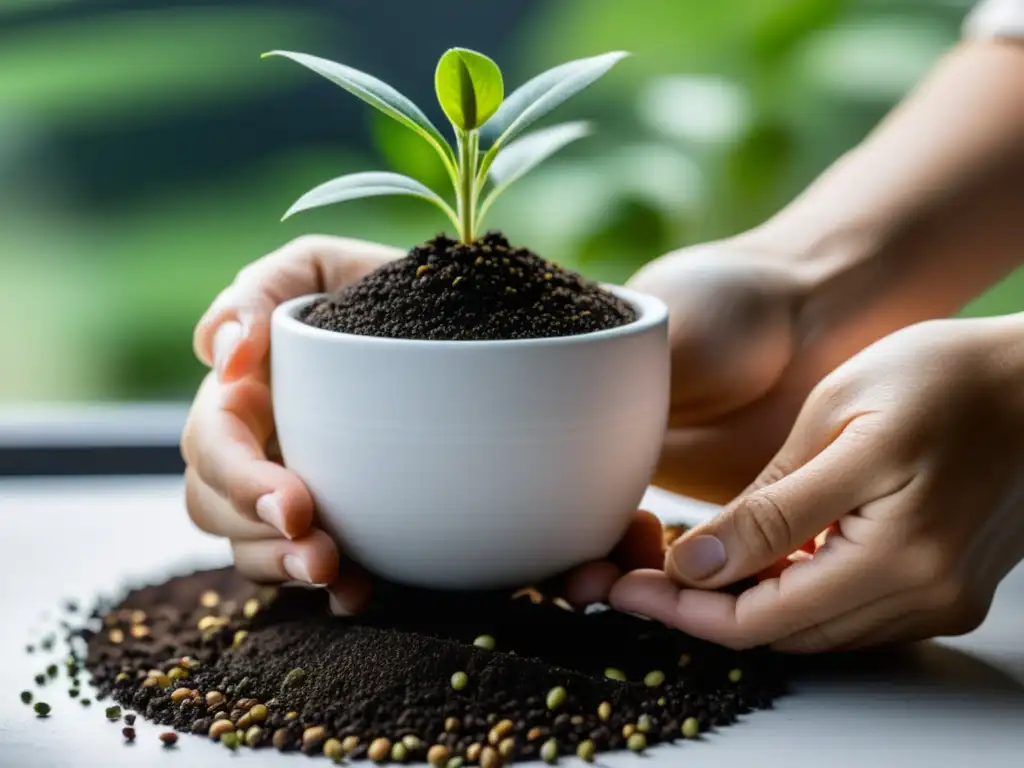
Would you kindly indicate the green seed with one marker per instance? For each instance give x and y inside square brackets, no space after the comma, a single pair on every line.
[637,742]
[654,678]
[255,733]
[690,728]
[615,674]
[735,675]
[122,677]
[295,677]
[454,762]
[112,713]
[604,711]
[485,641]
[399,752]
[644,724]
[412,743]
[460,680]
[556,697]
[420,270]
[40,679]
[86,702]
[257,713]
[229,740]
[52,670]
[684,660]
[73,693]
[549,751]
[41,708]
[586,750]
[239,638]
[26,697]
[177,673]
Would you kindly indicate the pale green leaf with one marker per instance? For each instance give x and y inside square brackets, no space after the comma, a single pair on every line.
[367,184]
[534,99]
[469,87]
[523,155]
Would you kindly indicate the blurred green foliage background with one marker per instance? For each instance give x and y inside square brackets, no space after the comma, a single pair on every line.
[147,153]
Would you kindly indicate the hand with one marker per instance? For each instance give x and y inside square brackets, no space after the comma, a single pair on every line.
[905,466]
[235,484]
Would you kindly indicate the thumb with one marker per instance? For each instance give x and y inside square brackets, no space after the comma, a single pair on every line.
[799,494]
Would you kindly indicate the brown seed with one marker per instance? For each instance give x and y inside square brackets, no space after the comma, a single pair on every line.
[209,599]
[180,694]
[489,758]
[313,736]
[379,750]
[349,743]
[220,727]
[535,597]
[280,739]
[534,733]
[333,750]
[473,752]
[139,631]
[251,608]
[214,699]
[128,733]
[169,738]
[507,748]
[437,755]
[451,724]
[116,636]
[244,721]
[253,736]
[500,731]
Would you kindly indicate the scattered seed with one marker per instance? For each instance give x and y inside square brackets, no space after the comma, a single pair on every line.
[251,608]
[451,724]
[113,713]
[209,623]
[735,675]
[239,638]
[209,599]
[295,677]
[684,660]
[177,673]
[690,728]
[255,733]
[437,755]
[534,733]
[116,636]
[644,724]
[40,679]
[180,694]
[637,742]
[457,280]
[628,730]
[214,699]
[485,641]
[222,715]
[280,739]
[129,719]
[654,678]
[122,677]
[41,708]
[412,743]
[244,721]
[662,701]
[556,697]
[460,680]
[220,727]
[399,752]
[291,715]
[26,697]
[349,743]
[230,740]
[564,604]
[500,731]
[73,693]
[533,594]
[51,670]
[379,750]
[489,758]
[586,750]
[313,736]
[257,713]
[576,719]
[129,733]
[615,674]
[422,270]
[169,738]
[455,762]
[139,631]
[549,751]
[507,748]
[604,711]
[85,702]
[473,752]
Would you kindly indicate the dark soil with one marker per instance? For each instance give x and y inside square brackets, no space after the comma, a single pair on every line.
[487,290]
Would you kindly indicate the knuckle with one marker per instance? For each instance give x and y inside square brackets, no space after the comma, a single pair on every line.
[762,527]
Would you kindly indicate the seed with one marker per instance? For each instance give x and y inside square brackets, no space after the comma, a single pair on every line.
[644,724]
[549,751]
[628,730]
[379,750]
[437,755]
[40,679]
[533,594]
[684,660]
[73,693]
[214,699]
[26,697]
[85,702]
[349,743]
[460,680]
[209,599]
[112,713]
[229,740]
[485,641]
[116,636]
[399,752]
[422,269]
[139,631]
[208,623]
[219,727]
[534,733]
[479,260]
[177,673]
[489,758]
[169,738]
[500,731]
[129,733]
[280,739]
[180,694]
[556,697]
[160,679]
[473,752]
[129,719]
[41,708]
[239,638]
[52,670]
[604,711]
[451,724]
[637,742]
[586,750]
[662,701]
[735,675]
[332,750]
[291,715]
[690,728]
[255,733]
[615,674]
[576,719]
[654,678]
[122,677]
[295,677]
[222,715]
[257,713]
[251,608]
[244,721]
[507,748]
[455,762]
[313,736]
[412,743]
[137,617]
[564,604]
[457,280]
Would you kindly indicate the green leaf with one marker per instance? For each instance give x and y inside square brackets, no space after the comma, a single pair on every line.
[469,87]
[523,155]
[367,184]
[376,93]
[534,99]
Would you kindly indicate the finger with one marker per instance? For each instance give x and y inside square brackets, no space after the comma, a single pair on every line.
[798,495]
[310,264]
[807,593]
[214,514]
[591,583]
[312,559]
[224,442]
[350,592]
[848,631]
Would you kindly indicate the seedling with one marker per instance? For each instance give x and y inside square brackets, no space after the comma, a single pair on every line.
[471,93]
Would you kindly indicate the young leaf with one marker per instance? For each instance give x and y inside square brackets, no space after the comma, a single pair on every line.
[469,87]
[543,93]
[523,155]
[367,184]
[377,94]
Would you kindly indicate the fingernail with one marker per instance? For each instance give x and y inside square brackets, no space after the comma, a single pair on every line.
[337,607]
[225,342]
[296,568]
[698,558]
[269,510]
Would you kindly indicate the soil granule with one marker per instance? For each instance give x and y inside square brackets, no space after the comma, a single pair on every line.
[444,290]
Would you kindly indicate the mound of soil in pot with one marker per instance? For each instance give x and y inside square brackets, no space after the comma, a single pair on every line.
[488,290]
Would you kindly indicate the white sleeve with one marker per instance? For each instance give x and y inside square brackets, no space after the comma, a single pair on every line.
[995,18]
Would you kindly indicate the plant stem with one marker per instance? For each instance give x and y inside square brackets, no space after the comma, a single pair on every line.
[468,145]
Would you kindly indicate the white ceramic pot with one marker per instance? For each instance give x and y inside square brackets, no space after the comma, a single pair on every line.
[473,464]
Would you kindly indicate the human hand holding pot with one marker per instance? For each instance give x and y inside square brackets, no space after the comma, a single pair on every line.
[235,483]
[908,458]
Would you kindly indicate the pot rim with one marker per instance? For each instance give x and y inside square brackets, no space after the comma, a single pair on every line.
[651,312]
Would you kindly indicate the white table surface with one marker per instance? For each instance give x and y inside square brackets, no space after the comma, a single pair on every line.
[957,702]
